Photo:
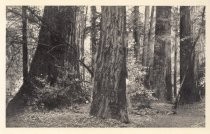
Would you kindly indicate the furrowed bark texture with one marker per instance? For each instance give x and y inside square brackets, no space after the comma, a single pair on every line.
[109,93]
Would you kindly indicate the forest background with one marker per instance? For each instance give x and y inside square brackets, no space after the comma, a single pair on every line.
[206,50]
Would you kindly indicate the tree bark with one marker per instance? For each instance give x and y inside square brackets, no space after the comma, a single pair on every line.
[146,31]
[136,32]
[151,39]
[56,54]
[24,38]
[198,13]
[186,70]
[175,57]
[24,47]
[188,92]
[161,68]
[81,18]
[150,50]
[109,92]
[93,35]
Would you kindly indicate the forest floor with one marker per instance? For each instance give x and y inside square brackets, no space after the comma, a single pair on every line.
[192,115]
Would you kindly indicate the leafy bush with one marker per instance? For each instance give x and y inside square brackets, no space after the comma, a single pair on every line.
[60,95]
[141,99]
[139,94]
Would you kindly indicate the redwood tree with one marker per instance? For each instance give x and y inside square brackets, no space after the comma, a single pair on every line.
[81,17]
[24,47]
[146,31]
[136,32]
[109,91]
[93,34]
[150,48]
[161,69]
[151,36]
[189,92]
[56,51]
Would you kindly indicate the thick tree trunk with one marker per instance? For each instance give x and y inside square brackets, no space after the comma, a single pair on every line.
[56,54]
[188,92]
[186,64]
[199,62]
[161,68]
[136,32]
[25,49]
[146,31]
[109,93]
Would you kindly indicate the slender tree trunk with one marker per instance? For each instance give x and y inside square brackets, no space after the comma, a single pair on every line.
[109,93]
[81,18]
[136,32]
[25,49]
[168,77]
[150,50]
[175,58]
[151,39]
[93,35]
[83,39]
[146,31]
[56,56]
[162,44]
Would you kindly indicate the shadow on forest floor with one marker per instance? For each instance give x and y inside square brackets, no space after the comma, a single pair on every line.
[192,115]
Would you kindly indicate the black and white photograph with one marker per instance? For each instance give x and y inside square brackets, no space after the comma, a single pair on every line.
[105,66]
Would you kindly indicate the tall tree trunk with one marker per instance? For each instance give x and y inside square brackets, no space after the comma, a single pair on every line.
[161,66]
[199,62]
[186,64]
[151,39]
[146,31]
[109,92]
[175,57]
[56,54]
[81,18]
[136,32]
[188,92]
[150,50]
[25,49]
[93,35]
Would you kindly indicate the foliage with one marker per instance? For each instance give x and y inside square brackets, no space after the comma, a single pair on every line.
[140,96]
[60,95]
[14,45]
[201,80]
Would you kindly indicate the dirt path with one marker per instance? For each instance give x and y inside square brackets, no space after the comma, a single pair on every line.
[187,116]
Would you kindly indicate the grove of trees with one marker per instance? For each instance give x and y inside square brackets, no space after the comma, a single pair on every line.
[58,56]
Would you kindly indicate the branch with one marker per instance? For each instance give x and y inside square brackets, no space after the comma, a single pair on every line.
[88,68]
[11,60]
[19,14]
